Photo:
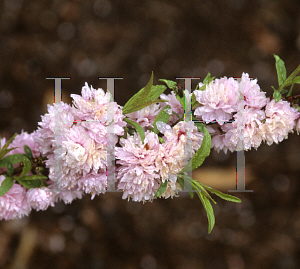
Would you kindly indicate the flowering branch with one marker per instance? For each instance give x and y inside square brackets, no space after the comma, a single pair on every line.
[154,146]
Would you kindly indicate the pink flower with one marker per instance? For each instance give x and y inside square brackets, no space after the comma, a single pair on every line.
[138,175]
[244,132]
[83,161]
[44,136]
[40,198]
[218,101]
[219,141]
[25,139]
[280,121]
[172,189]
[94,105]
[146,116]
[175,106]
[13,204]
[181,141]
[254,97]
[66,195]
[93,183]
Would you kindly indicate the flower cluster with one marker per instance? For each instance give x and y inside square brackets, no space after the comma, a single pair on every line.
[255,117]
[154,145]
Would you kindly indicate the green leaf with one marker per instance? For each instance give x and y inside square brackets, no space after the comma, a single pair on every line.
[162,188]
[296,80]
[173,85]
[141,106]
[4,150]
[10,169]
[181,181]
[146,96]
[195,103]
[30,183]
[200,126]
[181,100]
[281,71]
[31,177]
[137,127]
[188,185]
[222,195]
[277,96]
[209,211]
[201,153]
[284,91]
[14,158]
[208,79]
[27,166]
[6,185]
[176,114]
[138,98]
[170,83]
[162,116]
[199,187]
[28,152]
[161,140]
[289,80]
[156,91]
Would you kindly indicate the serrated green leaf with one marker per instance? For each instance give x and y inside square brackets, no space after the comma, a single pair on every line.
[27,166]
[6,185]
[222,195]
[137,127]
[162,116]
[277,96]
[10,169]
[4,150]
[14,158]
[209,211]
[170,83]
[281,70]
[28,152]
[201,153]
[162,188]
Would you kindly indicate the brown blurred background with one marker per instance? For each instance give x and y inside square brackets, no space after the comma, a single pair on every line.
[85,40]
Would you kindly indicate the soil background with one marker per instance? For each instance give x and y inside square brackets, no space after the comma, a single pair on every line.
[85,40]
